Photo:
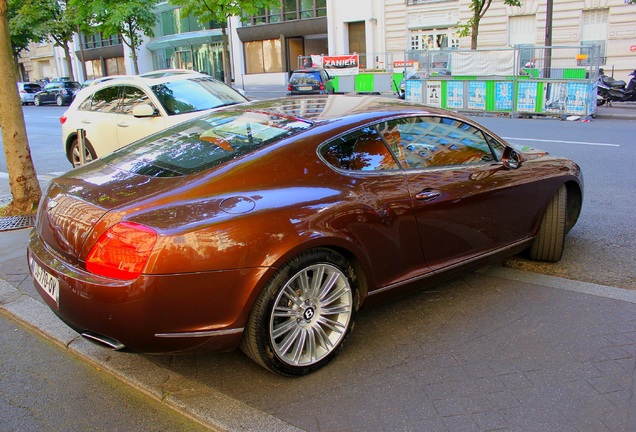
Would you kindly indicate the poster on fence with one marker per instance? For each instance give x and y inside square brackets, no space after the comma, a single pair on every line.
[527,97]
[476,93]
[566,98]
[503,96]
[413,91]
[455,94]
[433,92]
[342,64]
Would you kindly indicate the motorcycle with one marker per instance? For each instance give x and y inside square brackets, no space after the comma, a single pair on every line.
[611,90]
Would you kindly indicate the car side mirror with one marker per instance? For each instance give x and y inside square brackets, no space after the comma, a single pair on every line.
[511,158]
[144,110]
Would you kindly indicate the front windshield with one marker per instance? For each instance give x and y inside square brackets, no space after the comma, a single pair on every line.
[195,94]
[203,143]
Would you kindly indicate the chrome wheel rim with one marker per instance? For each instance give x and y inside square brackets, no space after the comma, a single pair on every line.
[311,315]
[76,156]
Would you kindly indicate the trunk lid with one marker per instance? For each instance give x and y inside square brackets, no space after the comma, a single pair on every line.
[70,210]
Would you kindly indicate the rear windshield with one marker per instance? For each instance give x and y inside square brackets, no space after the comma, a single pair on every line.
[32,88]
[196,94]
[71,84]
[305,78]
[203,143]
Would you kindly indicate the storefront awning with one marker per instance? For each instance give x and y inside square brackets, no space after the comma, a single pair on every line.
[184,39]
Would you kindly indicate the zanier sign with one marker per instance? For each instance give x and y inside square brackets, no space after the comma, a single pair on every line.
[342,65]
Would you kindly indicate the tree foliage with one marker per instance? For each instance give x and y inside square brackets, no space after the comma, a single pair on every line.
[219,11]
[20,35]
[479,9]
[129,19]
[49,19]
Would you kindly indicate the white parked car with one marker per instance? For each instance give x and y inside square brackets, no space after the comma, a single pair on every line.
[116,112]
[27,91]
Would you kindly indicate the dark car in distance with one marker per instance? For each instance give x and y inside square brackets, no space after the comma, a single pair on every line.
[267,225]
[58,92]
[308,81]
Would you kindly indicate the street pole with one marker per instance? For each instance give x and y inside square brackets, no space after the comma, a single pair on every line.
[548,40]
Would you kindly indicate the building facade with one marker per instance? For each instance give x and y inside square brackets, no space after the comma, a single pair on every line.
[267,46]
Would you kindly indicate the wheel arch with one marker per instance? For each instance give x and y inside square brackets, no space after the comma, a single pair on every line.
[574,204]
[67,145]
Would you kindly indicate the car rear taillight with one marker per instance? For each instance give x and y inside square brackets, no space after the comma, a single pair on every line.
[62,119]
[322,86]
[289,87]
[122,251]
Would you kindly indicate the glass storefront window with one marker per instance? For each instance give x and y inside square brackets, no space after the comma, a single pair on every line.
[263,56]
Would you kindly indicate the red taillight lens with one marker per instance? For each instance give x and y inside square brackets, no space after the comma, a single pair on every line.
[288,87]
[122,251]
[62,119]
[322,86]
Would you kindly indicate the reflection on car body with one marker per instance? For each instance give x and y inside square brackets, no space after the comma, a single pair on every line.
[267,225]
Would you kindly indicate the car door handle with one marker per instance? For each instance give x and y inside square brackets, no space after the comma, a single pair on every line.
[428,195]
[123,124]
[86,122]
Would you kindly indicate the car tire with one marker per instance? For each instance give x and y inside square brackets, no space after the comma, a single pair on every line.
[549,243]
[74,153]
[59,100]
[36,101]
[303,315]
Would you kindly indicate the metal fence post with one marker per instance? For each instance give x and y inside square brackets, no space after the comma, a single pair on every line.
[81,139]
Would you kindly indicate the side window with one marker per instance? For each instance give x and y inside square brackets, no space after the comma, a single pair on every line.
[106,100]
[497,147]
[133,96]
[442,141]
[86,104]
[362,150]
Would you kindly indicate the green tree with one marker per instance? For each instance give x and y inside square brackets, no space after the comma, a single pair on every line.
[129,19]
[479,9]
[219,11]
[49,19]
[23,180]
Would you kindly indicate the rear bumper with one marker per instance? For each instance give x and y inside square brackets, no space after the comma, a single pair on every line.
[154,313]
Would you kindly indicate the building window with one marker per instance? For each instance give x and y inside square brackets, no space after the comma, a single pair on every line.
[594,30]
[435,39]
[289,10]
[98,41]
[263,56]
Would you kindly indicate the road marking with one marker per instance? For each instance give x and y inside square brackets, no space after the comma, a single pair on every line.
[562,142]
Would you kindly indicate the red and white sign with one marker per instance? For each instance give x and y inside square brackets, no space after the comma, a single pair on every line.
[342,64]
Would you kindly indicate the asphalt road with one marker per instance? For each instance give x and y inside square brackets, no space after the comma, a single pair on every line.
[599,249]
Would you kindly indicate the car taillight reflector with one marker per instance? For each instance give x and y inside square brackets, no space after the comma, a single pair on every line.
[63,119]
[322,86]
[289,87]
[122,251]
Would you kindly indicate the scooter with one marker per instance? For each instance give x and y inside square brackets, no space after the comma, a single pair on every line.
[611,90]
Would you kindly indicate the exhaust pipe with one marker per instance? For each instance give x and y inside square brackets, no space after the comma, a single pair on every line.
[104,340]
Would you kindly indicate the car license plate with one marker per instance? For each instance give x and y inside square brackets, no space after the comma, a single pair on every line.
[47,281]
[304,88]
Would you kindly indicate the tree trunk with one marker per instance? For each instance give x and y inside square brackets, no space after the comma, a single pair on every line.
[474,32]
[227,67]
[67,59]
[23,180]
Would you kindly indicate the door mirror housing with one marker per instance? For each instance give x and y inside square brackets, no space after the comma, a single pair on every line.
[511,158]
[144,110]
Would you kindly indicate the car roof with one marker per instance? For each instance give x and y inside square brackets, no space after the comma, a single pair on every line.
[319,109]
[311,69]
[150,78]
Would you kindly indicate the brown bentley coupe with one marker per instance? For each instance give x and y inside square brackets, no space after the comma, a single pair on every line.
[267,225]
